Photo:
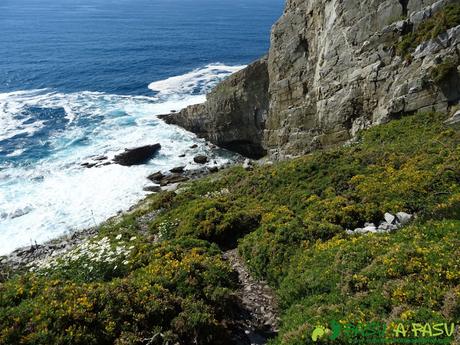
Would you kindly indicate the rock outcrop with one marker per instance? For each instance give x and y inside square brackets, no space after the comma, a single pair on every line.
[234,113]
[138,155]
[332,70]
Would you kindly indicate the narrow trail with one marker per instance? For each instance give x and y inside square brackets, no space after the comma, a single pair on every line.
[259,309]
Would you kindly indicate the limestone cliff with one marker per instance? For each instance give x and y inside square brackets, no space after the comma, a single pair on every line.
[234,114]
[333,68]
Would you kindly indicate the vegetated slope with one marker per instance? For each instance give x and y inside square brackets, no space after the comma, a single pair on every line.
[289,222]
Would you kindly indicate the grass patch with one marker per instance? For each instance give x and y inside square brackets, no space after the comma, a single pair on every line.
[445,69]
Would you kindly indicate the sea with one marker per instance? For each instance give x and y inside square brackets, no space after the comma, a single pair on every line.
[81,79]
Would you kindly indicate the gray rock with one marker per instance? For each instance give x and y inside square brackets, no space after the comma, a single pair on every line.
[172,179]
[392,227]
[330,68]
[389,218]
[20,212]
[234,114]
[152,189]
[177,170]
[454,120]
[370,228]
[403,217]
[247,164]
[384,226]
[156,177]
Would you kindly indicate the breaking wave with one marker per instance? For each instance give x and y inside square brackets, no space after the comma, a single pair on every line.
[46,135]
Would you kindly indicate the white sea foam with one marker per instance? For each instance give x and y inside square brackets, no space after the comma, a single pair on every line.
[193,82]
[55,194]
[11,104]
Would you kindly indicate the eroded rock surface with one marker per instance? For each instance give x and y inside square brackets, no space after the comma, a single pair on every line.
[233,117]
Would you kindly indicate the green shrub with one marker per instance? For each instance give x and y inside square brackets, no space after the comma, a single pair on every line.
[441,72]
[183,293]
[442,21]
[220,221]
[407,275]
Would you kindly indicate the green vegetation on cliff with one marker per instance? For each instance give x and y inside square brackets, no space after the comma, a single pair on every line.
[445,19]
[289,222]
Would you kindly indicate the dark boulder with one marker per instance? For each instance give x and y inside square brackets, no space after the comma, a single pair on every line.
[88,165]
[200,159]
[156,177]
[100,158]
[103,164]
[138,155]
[177,170]
[174,178]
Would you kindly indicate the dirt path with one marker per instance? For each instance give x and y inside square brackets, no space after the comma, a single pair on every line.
[259,310]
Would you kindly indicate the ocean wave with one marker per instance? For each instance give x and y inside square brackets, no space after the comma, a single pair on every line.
[198,81]
[46,135]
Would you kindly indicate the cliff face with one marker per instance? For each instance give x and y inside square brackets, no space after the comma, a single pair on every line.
[333,68]
[234,113]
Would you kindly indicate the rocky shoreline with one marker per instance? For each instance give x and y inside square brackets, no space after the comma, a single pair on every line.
[24,257]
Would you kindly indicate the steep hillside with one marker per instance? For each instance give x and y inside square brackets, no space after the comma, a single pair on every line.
[157,275]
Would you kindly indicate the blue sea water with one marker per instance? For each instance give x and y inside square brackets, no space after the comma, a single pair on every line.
[84,78]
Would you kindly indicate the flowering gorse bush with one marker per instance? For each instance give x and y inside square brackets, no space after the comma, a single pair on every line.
[182,292]
[289,221]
